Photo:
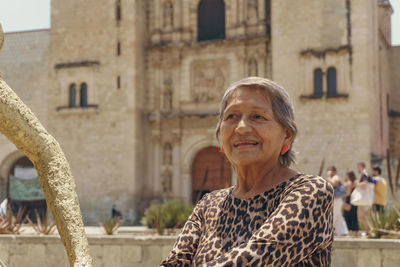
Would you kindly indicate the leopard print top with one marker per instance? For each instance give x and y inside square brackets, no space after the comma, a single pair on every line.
[289,225]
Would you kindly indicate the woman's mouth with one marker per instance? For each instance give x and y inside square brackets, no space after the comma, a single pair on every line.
[245,144]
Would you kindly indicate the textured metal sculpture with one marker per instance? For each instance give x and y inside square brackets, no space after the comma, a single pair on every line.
[21,127]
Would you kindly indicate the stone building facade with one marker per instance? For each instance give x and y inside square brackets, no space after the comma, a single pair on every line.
[24,65]
[131,89]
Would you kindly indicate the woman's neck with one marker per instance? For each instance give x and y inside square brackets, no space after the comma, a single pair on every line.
[253,179]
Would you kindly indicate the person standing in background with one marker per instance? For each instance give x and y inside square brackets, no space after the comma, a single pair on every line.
[339,193]
[3,207]
[350,211]
[362,170]
[380,190]
[365,180]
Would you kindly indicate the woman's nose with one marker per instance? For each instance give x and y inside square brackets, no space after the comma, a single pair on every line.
[243,126]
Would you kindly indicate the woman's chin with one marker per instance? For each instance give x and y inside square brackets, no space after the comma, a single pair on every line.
[246,159]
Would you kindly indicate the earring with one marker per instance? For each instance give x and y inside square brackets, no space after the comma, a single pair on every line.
[222,149]
[284,149]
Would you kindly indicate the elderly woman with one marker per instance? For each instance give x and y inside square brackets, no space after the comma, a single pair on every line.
[273,216]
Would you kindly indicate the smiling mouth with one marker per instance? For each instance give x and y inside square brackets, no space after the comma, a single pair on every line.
[245,144]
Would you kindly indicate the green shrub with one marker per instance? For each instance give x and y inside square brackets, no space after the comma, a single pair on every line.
[170,214]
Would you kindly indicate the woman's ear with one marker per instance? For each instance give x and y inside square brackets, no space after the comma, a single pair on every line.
[288,137]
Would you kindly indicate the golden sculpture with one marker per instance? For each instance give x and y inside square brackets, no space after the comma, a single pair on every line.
[21,127]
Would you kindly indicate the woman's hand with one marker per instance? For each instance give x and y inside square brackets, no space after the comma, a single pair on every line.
[346,206]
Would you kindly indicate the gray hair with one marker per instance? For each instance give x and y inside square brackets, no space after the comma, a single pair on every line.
[281,106]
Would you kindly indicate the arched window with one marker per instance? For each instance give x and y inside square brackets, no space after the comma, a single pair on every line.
[211,20]
[118,10]
[72,95]
[118,48]
[331,82]
[268,16]
[83,95]
[318,82]
[118,82]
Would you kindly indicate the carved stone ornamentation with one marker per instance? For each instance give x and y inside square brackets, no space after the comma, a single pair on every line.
[168,15]
[156,135]
[252,11]
[252,67]
[155,60]
[167,99]
[167,154]
[208,79]
[176,136]
[167,81]
[167,182]
[167,91]
[170,61]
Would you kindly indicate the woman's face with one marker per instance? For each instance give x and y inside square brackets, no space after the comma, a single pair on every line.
[331,173]
[249,131]
[348,180]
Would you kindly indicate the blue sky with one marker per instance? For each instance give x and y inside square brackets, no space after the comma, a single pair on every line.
[22,15]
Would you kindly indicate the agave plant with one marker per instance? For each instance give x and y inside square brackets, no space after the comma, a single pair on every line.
[45,227]
[111,225]
[385,223]
[10,224]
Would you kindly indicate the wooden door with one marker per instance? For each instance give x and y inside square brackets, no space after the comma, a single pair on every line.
[210,171]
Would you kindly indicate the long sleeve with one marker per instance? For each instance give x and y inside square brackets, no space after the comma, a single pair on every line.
[186,245]
[299,229]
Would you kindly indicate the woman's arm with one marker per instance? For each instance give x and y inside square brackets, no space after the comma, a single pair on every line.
[300,225]
[186,245]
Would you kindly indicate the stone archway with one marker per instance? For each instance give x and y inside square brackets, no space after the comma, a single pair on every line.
[210,171]
[24,190]
[5,167]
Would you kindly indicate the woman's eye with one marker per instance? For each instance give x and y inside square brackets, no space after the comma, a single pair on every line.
[230,116]
[259,117]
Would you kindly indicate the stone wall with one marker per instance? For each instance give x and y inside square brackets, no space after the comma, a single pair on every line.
[349,252]
[146,251]
[43,251]
[394,101]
